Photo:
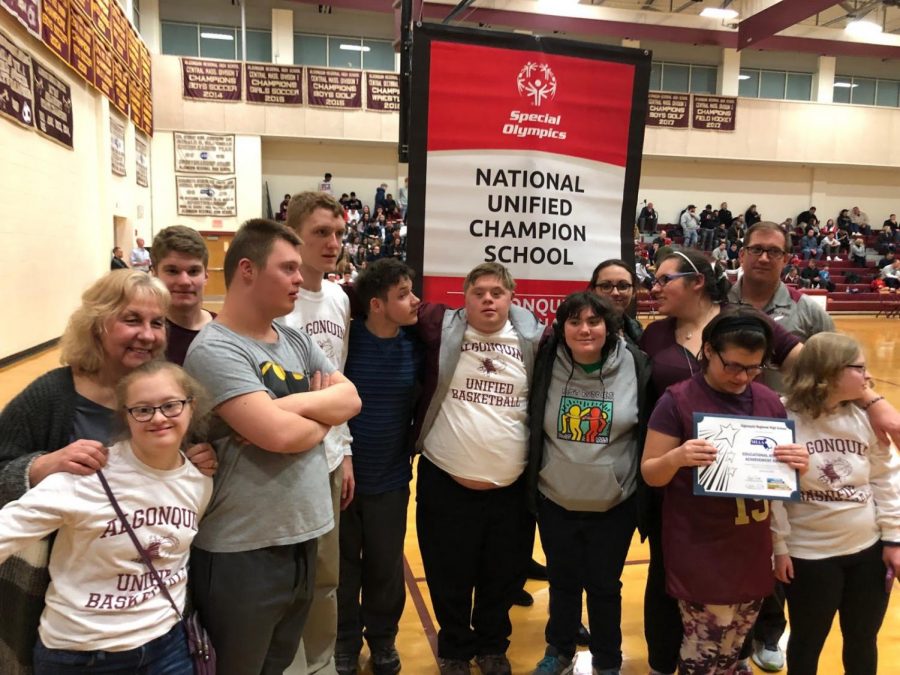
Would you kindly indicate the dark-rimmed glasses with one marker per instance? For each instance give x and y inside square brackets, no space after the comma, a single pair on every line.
[663,279]
[169,409]
[771,251]
[608,286]
[861,367]
[733,368]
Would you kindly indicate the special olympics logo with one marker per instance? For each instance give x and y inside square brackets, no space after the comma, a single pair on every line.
[537,82]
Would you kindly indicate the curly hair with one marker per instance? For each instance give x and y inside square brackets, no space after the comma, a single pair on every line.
[81,346]
[818,368]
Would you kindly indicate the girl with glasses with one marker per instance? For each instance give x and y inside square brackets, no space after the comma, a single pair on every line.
[838,549]
[717,550]
[690,291]
[103,612]
[614,280]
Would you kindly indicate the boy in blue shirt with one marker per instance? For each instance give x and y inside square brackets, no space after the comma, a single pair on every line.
[384,361]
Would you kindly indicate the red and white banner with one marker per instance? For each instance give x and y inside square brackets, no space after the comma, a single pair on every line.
[533,162]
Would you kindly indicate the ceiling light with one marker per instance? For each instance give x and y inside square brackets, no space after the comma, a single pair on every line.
[743,77]
[355,48]
[718,13]
[862,28]
[217,36]
[845,85]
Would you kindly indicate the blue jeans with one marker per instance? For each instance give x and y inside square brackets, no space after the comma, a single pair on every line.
[166,655]
[691,236]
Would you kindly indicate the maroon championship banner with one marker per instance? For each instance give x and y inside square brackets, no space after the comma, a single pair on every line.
[28,13]
[668,110]
[16,99]
[382,91]
[119,98]
[204,80]
[81,43]
[55,27]
[329,88]
[104,73]
[274,84]
[53,106]
[134,52]
[146,124]
[135,101]
[519,163]
[714,112]
[120,30]
[100,13]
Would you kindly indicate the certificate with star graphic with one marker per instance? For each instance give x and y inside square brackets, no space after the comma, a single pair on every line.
[745,465]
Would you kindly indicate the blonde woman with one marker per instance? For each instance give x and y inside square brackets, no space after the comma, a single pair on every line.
[836,548]
[62,422]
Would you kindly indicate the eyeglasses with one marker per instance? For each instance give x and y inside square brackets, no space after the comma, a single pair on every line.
[733,368]
[608,286]
[169,409]
[772,251]
[663,279]
[861,367]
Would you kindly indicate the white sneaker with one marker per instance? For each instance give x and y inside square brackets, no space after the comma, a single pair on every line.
[768,657]
[836,259]
[828,257]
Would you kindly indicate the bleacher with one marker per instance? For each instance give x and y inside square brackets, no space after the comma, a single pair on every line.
[851,298]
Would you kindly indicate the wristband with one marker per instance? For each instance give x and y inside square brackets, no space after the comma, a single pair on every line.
[871,403]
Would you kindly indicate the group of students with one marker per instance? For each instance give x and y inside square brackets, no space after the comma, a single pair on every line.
[584,426]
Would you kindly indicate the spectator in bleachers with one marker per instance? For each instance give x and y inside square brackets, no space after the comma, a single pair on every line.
[891,274]
[736,231]
[809,245]
[691,226]
[825,279]
[325,184]
[720,254]
[861,220]
[354,202]
[725,216]
[353,216]
[829,246]
[648,218]
[752,216]
[885,240]
[644,275]
[843,239]
[828,228]
[721,233]
[661,238]
[390,207]
[282,208]
[118,259]
[858,251]
[843,220]
[892,222]
[403,198]
[709,220]
[380,193]
[344,200]
[808,218]
[887,259]
[792,276]
[733,256]
[810,273]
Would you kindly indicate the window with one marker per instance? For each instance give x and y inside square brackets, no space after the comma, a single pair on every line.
[866,91]
[179,39]
[681,77]
[259,46]
[310,50]
[777,84]
[378,55]
[135,14]
[345,52]
[218,42]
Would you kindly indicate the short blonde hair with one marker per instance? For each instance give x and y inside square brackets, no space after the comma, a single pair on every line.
[821,362]
[490,269]
[81,344]
[303,204]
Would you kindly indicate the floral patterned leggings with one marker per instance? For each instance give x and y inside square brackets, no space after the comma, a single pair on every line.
[713,636]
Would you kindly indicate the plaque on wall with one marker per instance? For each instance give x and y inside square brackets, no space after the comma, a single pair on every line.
[206,196]
[204,153]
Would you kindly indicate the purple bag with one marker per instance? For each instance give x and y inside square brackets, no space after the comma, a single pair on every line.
[202,653]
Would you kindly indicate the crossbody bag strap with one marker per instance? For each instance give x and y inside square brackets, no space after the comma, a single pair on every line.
[137,544]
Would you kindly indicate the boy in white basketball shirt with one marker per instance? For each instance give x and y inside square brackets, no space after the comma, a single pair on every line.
[322,310]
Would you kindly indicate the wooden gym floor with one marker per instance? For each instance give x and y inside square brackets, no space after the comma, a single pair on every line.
[418,628]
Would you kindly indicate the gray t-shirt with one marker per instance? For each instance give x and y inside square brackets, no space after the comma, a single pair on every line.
[260,498]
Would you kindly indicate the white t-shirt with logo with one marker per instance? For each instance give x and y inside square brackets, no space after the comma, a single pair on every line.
[325,316]
[481,430]
[101,596]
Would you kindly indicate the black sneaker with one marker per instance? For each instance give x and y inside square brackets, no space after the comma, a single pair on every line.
[453,666]
[523,598]
[385,661]
[346,663]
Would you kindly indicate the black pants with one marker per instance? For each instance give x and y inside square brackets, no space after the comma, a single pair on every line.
[770,623]
[471,541]
[373,528]
[853,586]
[586,551]
[254,604]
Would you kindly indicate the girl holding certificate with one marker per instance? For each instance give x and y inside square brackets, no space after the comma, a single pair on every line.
[717,550]
[838,549]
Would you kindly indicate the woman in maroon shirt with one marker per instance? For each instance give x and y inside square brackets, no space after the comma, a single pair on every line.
[717,550]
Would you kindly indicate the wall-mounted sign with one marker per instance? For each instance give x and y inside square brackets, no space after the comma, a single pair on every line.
[211,80]
[337,89]
[52,105]
[665,109]
[273,84]
[383,92]
[714,112]
[204,153]
[206,196]
[16,99]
